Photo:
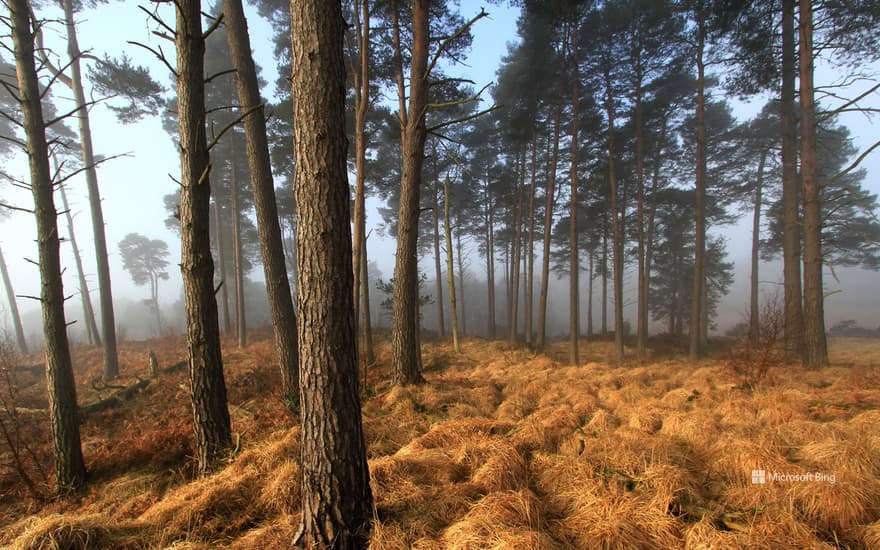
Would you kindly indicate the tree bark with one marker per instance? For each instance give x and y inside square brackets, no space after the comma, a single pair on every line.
[754,310]
[616,223]
[337,503]
[516,250]
[108,321]
[362,105]
[13,308]
[70,472]
[695,351]
[207,384]
[549,203]
[221,259]
[92,332]
[450,268]
[263,189]
[405,352]
[642,313]
[574,266]
[490,261]
[460,259]
[530,247]
[240,319]
[438,271]
[815,344]
[791,239]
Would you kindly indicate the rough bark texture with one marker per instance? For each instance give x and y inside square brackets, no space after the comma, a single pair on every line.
[263,189]
[20,340]
[489,214]
[549,203]
[642,308]
[336,496]
[516,249]
[815,345]
[405,352]
[530,246]
[207,385]
[695,351]
[791,239]
[70,472]
[108,321]
[92,333]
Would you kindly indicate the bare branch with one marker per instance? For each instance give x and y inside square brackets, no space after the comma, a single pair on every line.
[853,165]
[16,208]
[464,119]
[449,39]
[218,75]
[232,124]
[214,24]
[158,20]
[160,55]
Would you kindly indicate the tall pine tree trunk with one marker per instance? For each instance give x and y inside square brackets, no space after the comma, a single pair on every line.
[207,384]
[815,344]
[13,307]
[695,349]
[754,310]
[530,247]
[450,268]
[490,262]
[460,259]
[616,223]
[221,259]
[70,472]
[438,271]
[642,313]
[337,503]
[263,189]
[240,314]
[574,266]
[405,352]
[516,248]
[108,321]
[791,237]
[362,105]
[549,202]
[92,332]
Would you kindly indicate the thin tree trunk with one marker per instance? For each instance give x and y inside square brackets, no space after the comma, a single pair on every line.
[516,244]
[368,351]
[574,266]
[405,354]
[616,223]
[108,321]
[263,189]
[337,503]
[70,472]
[815,344]
[240,319]
[642,313]
[490,262]
[450,268]
[438,272]
[791,239]
[362,104]
[13,307]
[652,212]
[591,262]
[530,248]
[221,259]
[207,384]
[92,332]
[549,202]
[754,311]
[605,277]
[695,349]
[154,298]
[462,301]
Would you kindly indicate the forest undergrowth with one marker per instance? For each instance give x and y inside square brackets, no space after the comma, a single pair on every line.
[501,448]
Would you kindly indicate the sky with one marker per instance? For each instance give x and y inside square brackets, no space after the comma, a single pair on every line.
[132,186]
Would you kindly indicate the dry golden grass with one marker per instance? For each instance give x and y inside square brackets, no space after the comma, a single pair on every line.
[501,448]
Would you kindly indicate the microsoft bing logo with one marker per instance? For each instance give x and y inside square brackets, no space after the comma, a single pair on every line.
[759,477]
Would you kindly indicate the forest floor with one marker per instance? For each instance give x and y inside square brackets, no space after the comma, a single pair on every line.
[501,448]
